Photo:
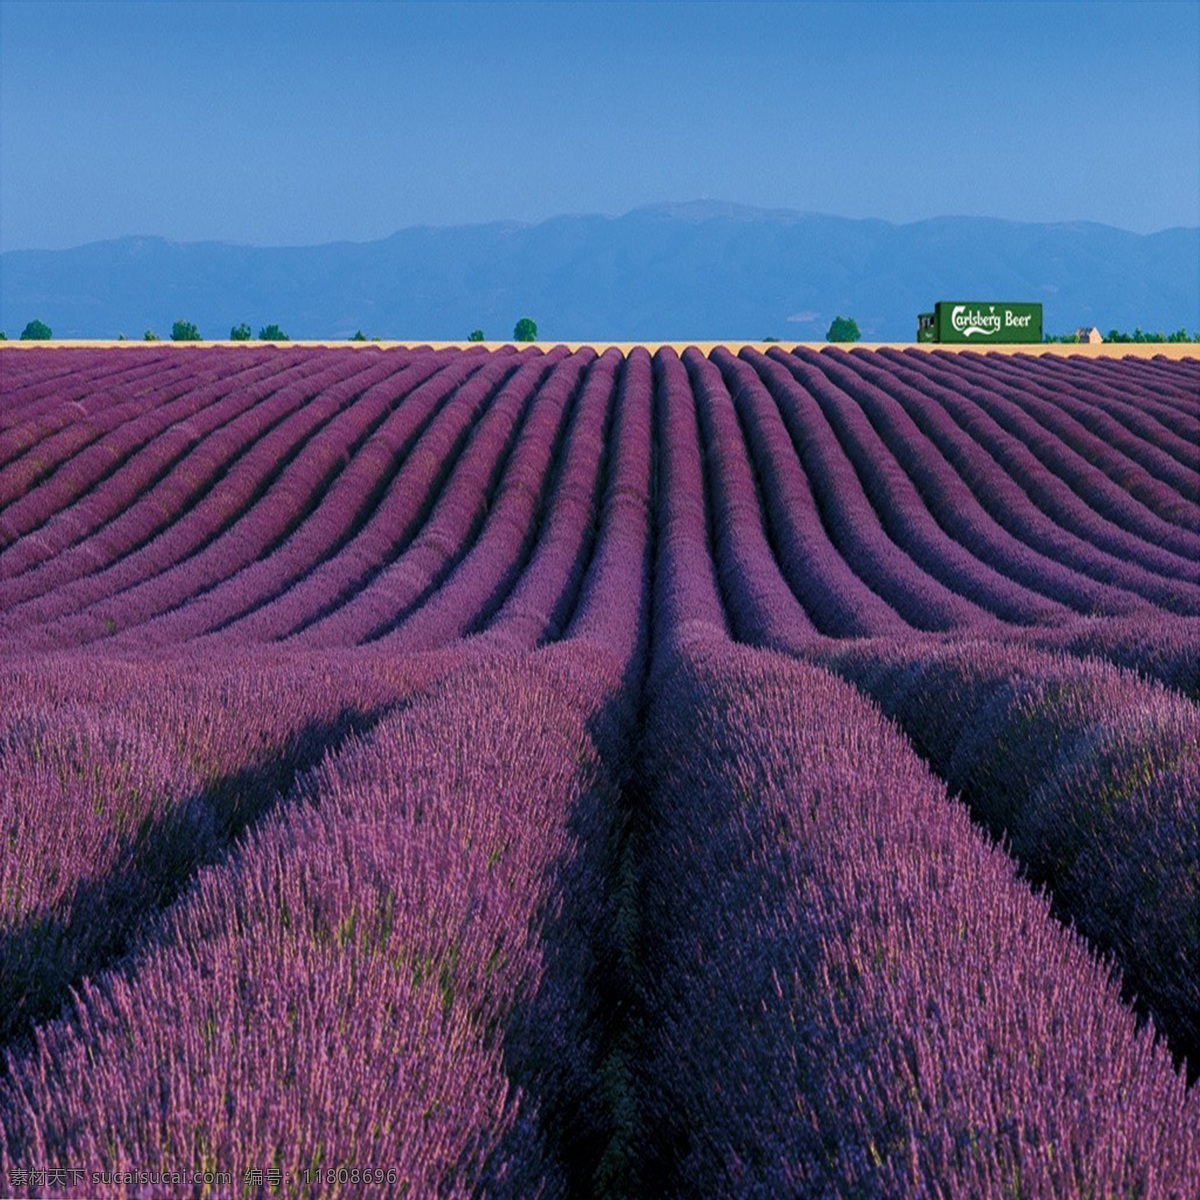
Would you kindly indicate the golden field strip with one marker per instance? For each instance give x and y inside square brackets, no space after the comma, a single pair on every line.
[1171,350]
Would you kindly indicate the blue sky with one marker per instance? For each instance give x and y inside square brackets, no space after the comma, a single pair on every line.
[285,124]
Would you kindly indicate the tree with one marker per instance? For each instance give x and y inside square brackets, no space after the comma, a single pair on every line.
[185,331]
[240,333]
[272,333]
[359,337]
[843,329]
[36,331]
[525,331]
[149,336]
[1139,335]
[476,335]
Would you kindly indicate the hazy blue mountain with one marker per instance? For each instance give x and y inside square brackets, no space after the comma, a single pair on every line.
[672,271]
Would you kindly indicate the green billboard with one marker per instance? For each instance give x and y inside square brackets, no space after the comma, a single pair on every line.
[980,322]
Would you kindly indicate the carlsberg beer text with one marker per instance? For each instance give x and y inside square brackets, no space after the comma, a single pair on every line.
[980,322]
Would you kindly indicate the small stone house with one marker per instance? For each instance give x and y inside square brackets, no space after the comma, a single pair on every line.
[1091,336]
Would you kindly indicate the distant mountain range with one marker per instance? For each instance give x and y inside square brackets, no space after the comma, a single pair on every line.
[698,271]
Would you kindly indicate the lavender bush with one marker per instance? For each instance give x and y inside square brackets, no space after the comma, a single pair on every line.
[352,986]
[1090,774]
[437,762]
[848,991]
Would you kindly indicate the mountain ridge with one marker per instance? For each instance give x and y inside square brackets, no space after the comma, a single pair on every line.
[671,271]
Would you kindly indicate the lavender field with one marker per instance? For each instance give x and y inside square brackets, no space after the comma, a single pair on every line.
[548,773]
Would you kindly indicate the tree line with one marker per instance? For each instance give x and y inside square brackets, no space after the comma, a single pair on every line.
[525,330]
[1138,335]
[842,329]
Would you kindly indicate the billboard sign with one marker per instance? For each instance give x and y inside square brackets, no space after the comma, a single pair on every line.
[986,322]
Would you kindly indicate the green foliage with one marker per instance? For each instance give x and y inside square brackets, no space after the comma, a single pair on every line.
[272,333]
[476,335]
[359,337]
[3,336]
[150,336]
[525,331]
[36,331]
[843,329]
[240,333]
[770,339]
[185,331]
[1140,335]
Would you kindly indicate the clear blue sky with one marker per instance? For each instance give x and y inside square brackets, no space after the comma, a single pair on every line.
[279,124]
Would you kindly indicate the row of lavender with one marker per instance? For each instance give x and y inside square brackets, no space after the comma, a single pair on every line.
[840,986]
[844,989]
[848,991]
[202,514]
[1090,773]
[426,962]
[397,967]
[798,561]
[386,988]
[167,762]
[884,1053]
[328,504]
[119,782]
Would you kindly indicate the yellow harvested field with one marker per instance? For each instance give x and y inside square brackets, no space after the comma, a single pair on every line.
[1171,350]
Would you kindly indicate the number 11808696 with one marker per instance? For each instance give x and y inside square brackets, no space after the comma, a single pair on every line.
[348,1175]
